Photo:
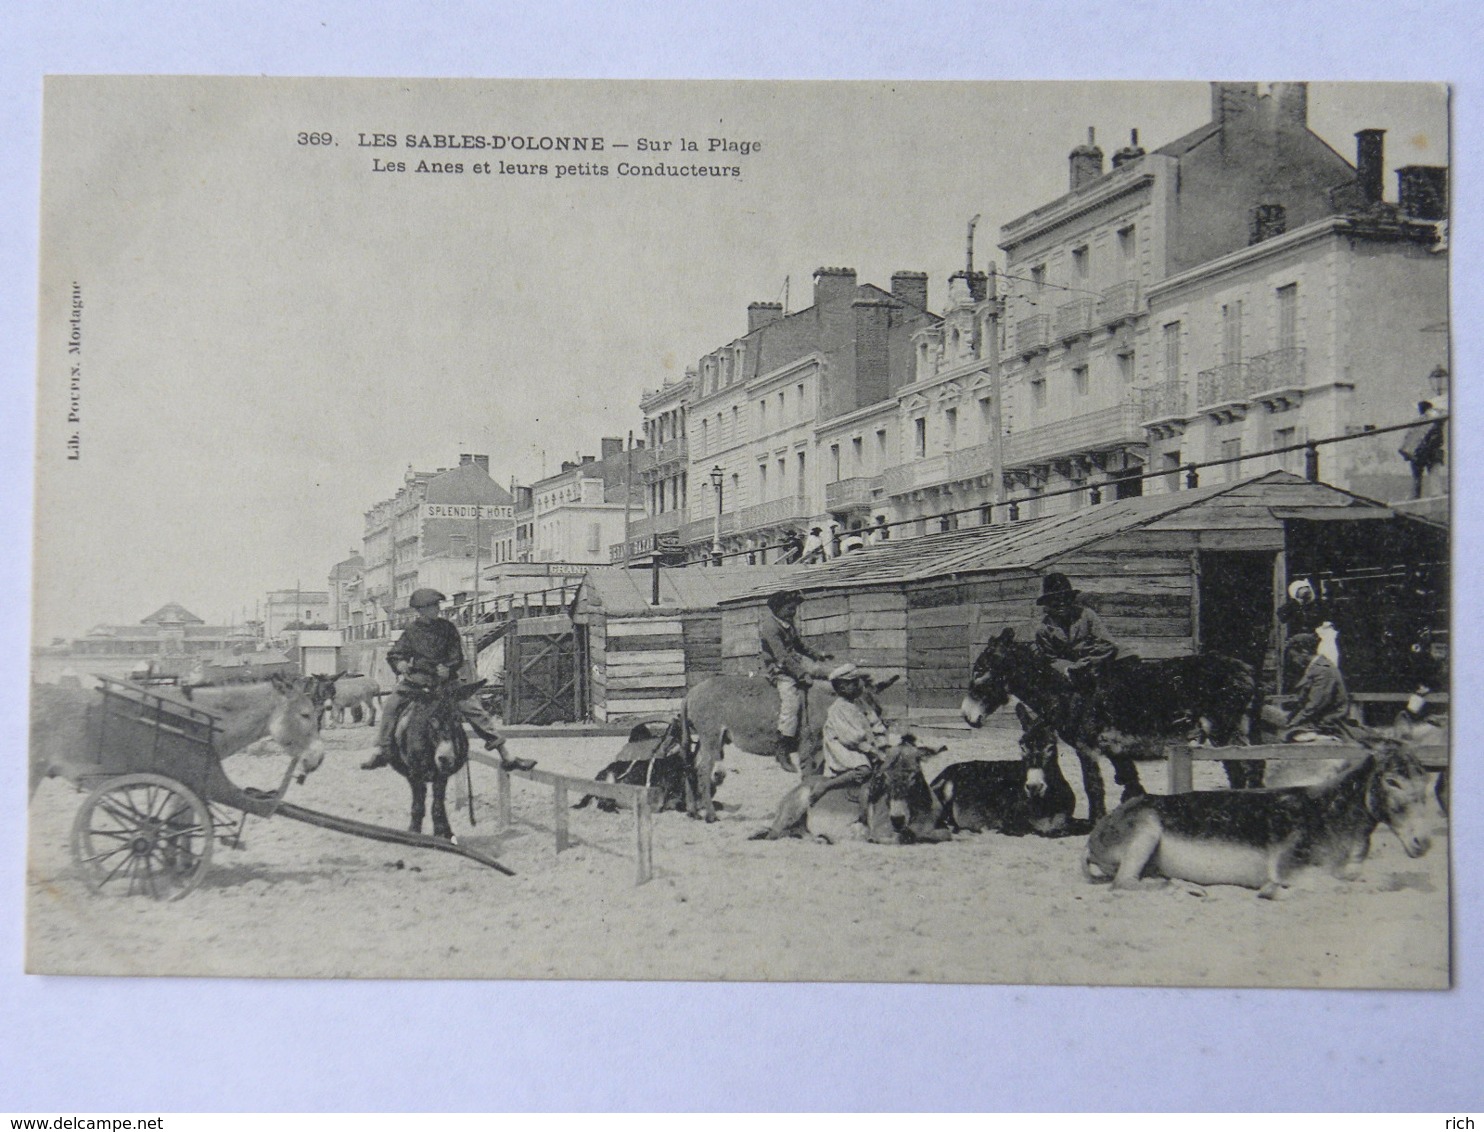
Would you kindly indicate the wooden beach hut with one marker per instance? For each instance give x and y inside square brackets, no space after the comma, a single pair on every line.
[642,657]
[1170,574]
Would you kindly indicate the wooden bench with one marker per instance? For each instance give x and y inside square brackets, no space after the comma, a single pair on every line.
[1183,758]
[641,799]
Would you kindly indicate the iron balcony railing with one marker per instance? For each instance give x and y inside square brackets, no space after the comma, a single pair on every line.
[946,467]
[1227,384]
[773,512]
[663,524]
[1074,319]
[1119,302]
[1279,370]
[1033,334]
[1089,432]
[701,530]
[1164,402]
[850,492]
[670,451]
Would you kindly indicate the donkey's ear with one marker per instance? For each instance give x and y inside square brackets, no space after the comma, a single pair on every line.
[1007,635]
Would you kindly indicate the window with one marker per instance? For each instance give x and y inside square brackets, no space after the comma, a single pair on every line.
[762,415]
[1232,450]
[782,415]
[736,424]
[1038,276]
[1080,262]
[986,418]
[834,462]
[950,428]
[1126,367]
[1282,437]
[705,437]
[1038,392]
[857,457]
[1231,333]
[1126,243]
[1288,317]
[594,537]
[881,453]
[1172,353]
[801,488]
[1079,380]
[802,414]
[919,437]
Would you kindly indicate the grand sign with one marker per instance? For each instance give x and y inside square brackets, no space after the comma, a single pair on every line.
[485,511]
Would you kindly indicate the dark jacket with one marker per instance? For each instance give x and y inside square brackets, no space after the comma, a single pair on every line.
[1321,702]
[1303,617]
[1087,638]
[427,644]
[784,652]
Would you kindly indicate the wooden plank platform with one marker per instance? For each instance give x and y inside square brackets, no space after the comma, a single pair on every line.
[641,799]
[1182,758]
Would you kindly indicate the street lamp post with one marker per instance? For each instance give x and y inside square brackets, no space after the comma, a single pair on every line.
[716,477]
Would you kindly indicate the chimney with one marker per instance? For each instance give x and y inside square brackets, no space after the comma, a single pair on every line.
[471,458]
[1267,221]
[760,314]
[568,465]
[1231,99]
[911,287]
[1130,152]
[976,283]
[1370,165]
[611,446]
[1291,100]
[1087,162]
[1423,191]
[586,460]
[834,286]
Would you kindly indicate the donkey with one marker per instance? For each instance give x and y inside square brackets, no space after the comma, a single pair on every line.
[1129,709]
[1258,838]
[743,711]
[1015,798]
[429,746]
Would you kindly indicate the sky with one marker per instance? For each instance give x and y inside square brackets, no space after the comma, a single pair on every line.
[274,330]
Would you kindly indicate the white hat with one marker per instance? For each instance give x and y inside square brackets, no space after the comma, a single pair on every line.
[1301,584]
[845,672]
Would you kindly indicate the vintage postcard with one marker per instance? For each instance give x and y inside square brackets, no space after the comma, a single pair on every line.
[888,531]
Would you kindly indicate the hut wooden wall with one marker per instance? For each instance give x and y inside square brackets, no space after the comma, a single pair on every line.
[1142,584]
[701,639]
[638,666]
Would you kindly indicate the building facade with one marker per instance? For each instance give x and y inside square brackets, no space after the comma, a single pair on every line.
[579,513]
[756,405]
[287,610]
[346,585]
[1081,345]
[432,532]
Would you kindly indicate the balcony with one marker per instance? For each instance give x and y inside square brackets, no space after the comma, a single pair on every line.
[1032,335]
[947,467]
[1279,377]
[701,530]
[1074,319]
[773,512]
[1089,432]
[1222,386]
[967,463]
[1119,303]
[664,524]
[854,492]
[670,452]
[1164,402]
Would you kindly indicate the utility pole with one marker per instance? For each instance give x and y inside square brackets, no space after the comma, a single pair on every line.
[997,386]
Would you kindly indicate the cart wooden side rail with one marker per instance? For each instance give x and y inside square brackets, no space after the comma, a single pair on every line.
[641,799]
[1432,756]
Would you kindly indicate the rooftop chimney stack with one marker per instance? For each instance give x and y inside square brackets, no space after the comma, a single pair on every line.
[1087,162]
[1130,152]
[911,287]
[1292,102]
[472,458]
[612,446]
[1370,165]
[760,314]
[1423,191]
[834,286]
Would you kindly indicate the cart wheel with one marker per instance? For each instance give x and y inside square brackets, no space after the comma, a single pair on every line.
[143,833]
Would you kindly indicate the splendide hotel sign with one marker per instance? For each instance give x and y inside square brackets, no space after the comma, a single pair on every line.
[467,511]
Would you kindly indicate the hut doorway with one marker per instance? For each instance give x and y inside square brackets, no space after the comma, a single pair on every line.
[1235,603]
[543,672]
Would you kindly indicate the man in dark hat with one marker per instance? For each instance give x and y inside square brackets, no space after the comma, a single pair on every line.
[1070,635]
[430,654]
[789,662]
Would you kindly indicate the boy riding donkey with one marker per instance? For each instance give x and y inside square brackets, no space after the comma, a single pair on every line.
[428,655]
[791,664]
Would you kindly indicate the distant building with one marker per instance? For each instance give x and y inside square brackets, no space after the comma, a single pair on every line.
[287,610]
[755,405]
[577,514]
[166,642]
[346,591]
[427,534]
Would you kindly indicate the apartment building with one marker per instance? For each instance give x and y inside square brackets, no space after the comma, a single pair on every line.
[427,534]
[1333,328]
[579,513]
[1079,271]
[755,407]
